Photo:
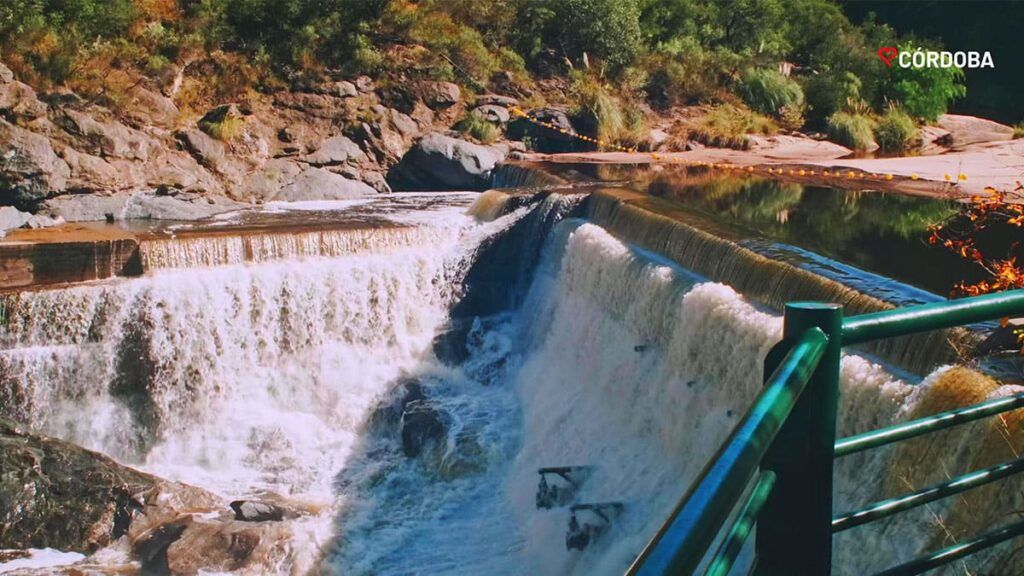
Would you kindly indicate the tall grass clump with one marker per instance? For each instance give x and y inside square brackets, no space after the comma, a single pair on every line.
[769,92]
[478,128]
[895,131]
[602,114]
[727,126]
[851,130]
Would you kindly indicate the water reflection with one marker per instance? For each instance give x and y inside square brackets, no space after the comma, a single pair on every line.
[883,233]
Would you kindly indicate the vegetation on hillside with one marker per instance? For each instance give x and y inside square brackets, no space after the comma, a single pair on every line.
[604,59]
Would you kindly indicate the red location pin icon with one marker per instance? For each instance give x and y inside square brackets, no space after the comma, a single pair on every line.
[888,54]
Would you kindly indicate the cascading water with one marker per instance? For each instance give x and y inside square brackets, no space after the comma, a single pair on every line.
[299,376]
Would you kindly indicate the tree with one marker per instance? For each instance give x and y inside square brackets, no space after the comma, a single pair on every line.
[924,92]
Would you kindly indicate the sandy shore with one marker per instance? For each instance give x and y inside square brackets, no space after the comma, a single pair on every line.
[999,165]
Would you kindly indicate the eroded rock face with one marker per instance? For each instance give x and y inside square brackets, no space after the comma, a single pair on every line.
[18,101]
[54,494]
[144,107]
[440,162]
[104,138]
[29,168]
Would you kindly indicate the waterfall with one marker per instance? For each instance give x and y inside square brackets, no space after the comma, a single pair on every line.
[656,225]
[239,376]
[524,175]
[631,343]
[219,250]
[640,368]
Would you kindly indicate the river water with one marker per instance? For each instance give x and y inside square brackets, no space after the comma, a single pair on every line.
[248,376]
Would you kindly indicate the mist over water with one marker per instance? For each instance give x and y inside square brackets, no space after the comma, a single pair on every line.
[280,375]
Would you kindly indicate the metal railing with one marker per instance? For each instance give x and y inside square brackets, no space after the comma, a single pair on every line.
[786,445]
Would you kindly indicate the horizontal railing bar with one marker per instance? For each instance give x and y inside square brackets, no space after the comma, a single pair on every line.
[947,555]
[733,543]
[691,528]
[891,506]
[947,314]
[940,421]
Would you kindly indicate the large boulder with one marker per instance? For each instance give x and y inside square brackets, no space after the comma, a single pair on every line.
[492,113]
[320,184]
[439,95]
[965,130]
[335,150]
[547,129]
[29,168]
[207,150]
[174,169]
[264,183]
[496,100]
[54,494]
[340,89]
[440,162]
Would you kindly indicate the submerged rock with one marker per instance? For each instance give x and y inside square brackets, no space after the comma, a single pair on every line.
[388,412]
[450,345]
[422,425]
[439,162]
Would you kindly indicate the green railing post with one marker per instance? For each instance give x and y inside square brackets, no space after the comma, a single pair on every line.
[794,532]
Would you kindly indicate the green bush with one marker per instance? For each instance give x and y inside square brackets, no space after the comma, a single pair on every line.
[895,131]
[769,92]
[827,94]
[851,130]
[683,72]
[478,128]
[608,30]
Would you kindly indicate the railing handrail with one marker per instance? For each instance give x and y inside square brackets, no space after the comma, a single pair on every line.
[682,542]
[691,528]
[932,316]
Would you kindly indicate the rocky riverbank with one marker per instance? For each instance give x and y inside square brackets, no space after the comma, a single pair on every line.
[142,523]
[67,159]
